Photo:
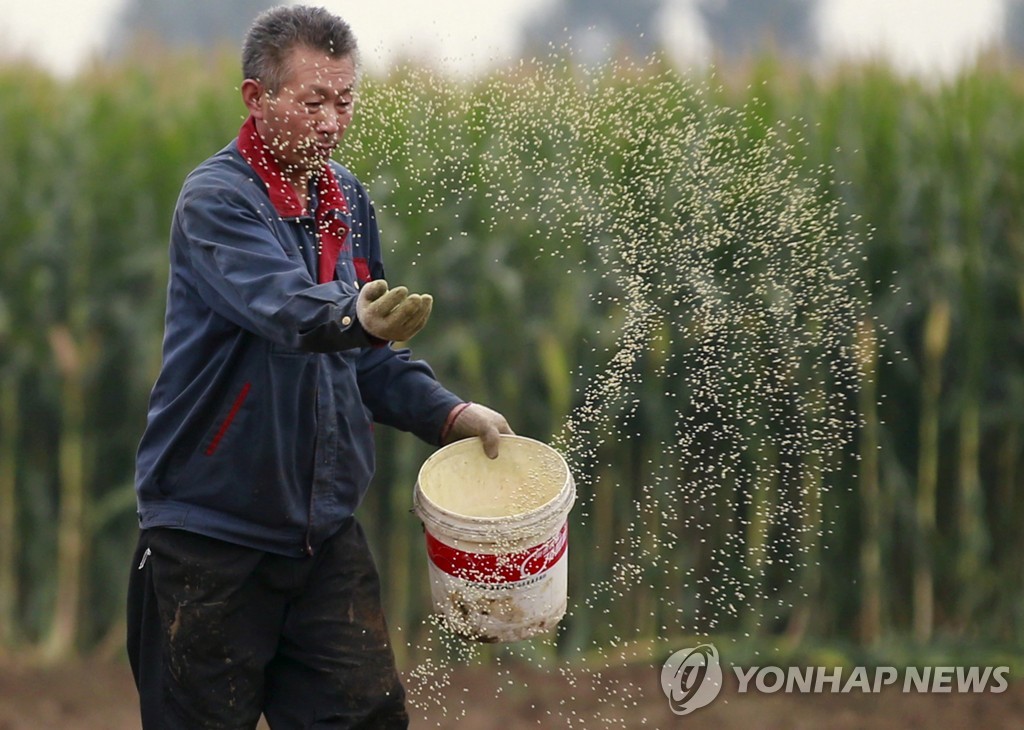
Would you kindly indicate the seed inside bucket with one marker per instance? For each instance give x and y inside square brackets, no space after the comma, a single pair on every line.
[463,481]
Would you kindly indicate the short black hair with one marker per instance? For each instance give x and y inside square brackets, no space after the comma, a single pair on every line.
[275,32]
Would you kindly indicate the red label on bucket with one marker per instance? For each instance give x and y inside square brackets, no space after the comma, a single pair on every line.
[501,567]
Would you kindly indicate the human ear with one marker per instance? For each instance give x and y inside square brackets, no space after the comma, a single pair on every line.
[253,95]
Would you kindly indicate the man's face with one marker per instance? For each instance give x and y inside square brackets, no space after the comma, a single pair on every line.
[303,121]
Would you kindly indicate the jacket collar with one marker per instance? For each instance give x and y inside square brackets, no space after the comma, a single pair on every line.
[330,201]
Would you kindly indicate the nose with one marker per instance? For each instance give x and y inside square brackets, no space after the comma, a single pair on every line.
[329,121]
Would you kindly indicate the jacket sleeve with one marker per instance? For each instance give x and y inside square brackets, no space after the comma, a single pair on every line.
[244,274]
[404,393]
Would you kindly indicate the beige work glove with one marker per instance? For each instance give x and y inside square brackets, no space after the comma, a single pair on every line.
[392,314]
[473,419]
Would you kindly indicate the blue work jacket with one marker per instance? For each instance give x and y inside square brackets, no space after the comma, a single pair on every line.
[259,429]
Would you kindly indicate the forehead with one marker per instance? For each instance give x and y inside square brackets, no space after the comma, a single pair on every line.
[309,68]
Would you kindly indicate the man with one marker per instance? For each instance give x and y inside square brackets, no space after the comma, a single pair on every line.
[253,590]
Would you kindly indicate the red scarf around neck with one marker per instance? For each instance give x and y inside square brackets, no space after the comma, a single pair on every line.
[331,229]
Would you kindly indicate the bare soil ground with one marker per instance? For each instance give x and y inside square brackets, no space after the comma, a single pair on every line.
[101,696]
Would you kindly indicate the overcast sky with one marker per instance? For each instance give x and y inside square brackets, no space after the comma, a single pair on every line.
[929,36]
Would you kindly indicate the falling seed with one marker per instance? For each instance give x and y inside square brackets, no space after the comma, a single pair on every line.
[722,264]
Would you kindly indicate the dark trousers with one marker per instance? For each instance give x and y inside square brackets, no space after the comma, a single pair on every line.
[219,633]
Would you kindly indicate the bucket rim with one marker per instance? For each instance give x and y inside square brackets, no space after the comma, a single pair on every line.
[568,496]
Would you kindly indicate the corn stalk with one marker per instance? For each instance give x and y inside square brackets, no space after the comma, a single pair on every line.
[936,340]
[871,576]
[9,385]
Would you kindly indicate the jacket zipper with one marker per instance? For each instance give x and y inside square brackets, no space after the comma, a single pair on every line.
[313,230]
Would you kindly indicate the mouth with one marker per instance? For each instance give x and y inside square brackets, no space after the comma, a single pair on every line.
[319,149]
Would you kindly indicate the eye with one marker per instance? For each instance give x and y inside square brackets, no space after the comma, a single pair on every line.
[346,102]
[314,105]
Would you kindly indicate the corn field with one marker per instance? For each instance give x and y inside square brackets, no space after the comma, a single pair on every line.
[910,533]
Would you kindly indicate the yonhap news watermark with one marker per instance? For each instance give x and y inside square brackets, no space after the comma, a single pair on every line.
[693,678]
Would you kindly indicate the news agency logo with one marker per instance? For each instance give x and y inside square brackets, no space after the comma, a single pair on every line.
[692,678]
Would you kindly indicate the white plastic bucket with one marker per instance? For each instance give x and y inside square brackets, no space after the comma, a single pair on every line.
[497,537]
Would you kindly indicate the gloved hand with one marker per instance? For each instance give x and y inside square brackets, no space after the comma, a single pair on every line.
[392,314]
[472,419]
